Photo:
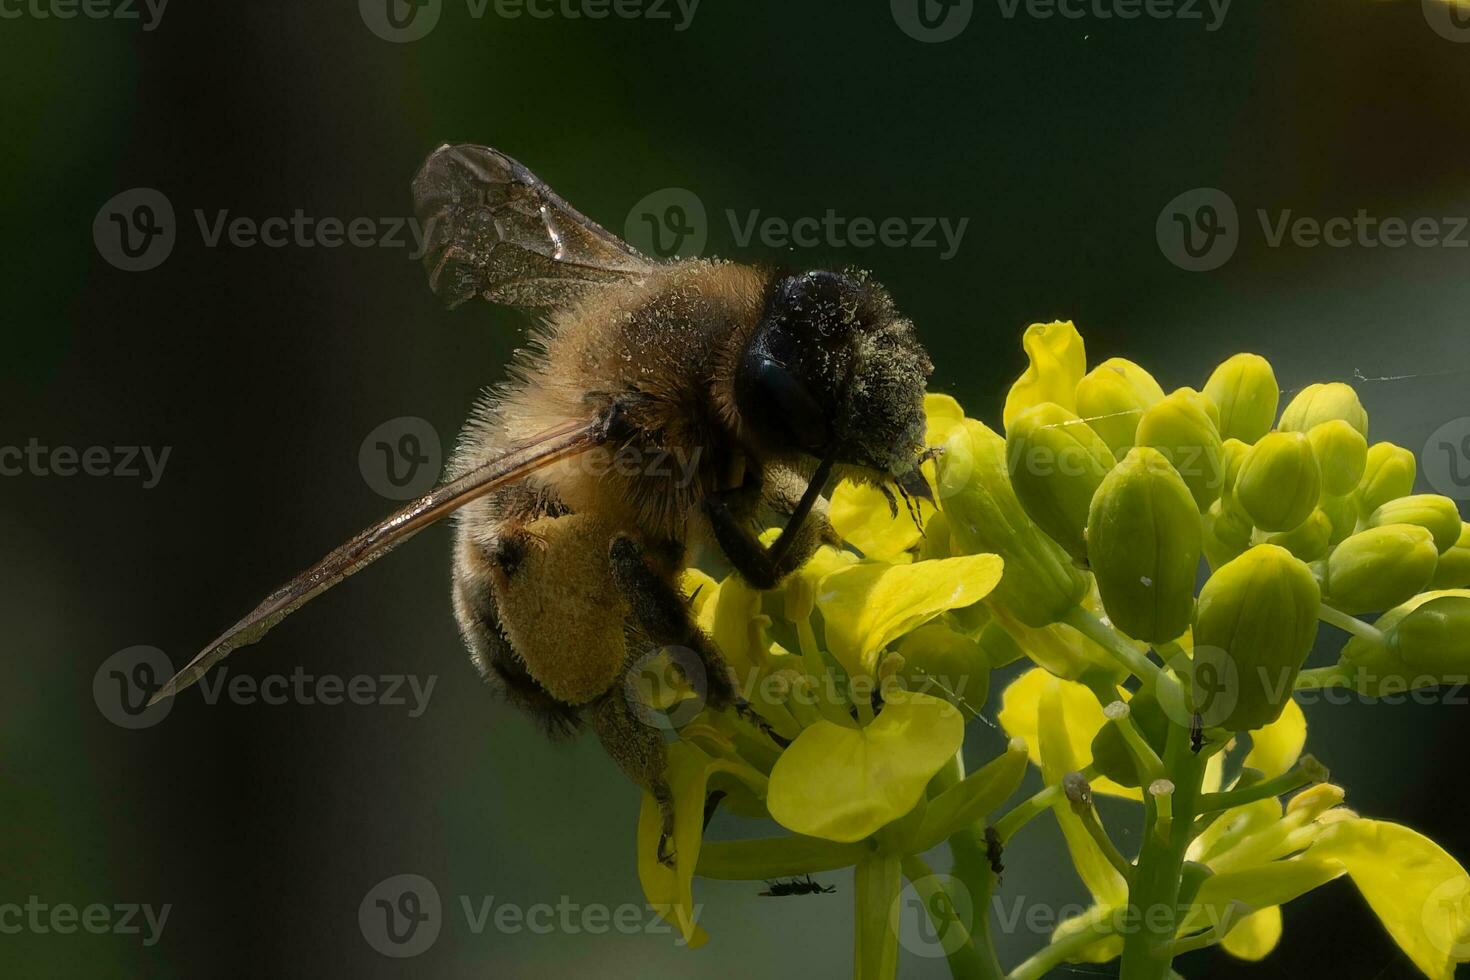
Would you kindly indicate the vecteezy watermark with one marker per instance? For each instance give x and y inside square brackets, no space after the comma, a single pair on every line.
[1209,12]
[149,12]
[933,916]
[1200,229]
[401,21]
[1450,19]
[402,916]
[124,462]
[124,683]
[402,458]
[137,230]
[99,919]
[1447,458]
[932,21]
[673,223]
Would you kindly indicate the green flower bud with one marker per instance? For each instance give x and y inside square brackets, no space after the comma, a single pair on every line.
[1279,483]
[1343,513]
[1232,453]
[1226,535]
[936,660]
[1001,649]
[1388,475]
[1110,754]
[1041,584]
[1143,540]
[1182,427]
[1256,623]
[1113,396]
[1056,462]
[1379,568]
[1342,452]
[1439,515]
[1453,571]
[1323,403]
[1310,540]
[1426,641]
[1245,389]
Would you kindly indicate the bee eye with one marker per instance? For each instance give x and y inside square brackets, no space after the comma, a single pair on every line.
[774,401]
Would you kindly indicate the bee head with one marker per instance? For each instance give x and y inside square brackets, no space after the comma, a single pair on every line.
[833,370]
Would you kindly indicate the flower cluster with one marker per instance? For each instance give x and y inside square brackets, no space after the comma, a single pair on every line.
[1075,541]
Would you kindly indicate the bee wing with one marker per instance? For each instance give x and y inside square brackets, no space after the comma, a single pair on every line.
[383,537]
[494,229]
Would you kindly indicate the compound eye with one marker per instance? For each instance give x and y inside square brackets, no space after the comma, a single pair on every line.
[787,404]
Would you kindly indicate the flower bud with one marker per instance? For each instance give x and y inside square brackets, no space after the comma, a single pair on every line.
[1113,396]
[1379,568]
[1426,641]
[1342,452]
[1343,513]
[1279,482]
[1389,474]
[936,660]
[1310,540]
[1232,453]
[1320,403]
[1040,584]
[1182,427]
[1245,390]
[1256,623]
[1453,571]
[1225,534]
[1056,462]
[1439,515]
[1143,541]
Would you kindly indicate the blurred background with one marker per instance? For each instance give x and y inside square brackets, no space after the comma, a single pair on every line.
[1062,143]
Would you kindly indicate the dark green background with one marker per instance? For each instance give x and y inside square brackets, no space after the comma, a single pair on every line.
[263,369]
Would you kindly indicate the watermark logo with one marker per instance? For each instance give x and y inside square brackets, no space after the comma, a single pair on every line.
[42,918]
[932,21]
[1450,19]
[1198,230]
[1104,10]
[673,223]
[400,21]
[124,683]
[670,223]
[932,916]
[1447,459]
[135,230]
[401,916]
[149,12]
[128,462]
[1445,911]
[402,458]
[667,687]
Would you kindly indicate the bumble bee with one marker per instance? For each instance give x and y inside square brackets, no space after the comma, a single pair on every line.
[572,530]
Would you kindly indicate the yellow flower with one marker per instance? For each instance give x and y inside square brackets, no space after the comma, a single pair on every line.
[1058,361]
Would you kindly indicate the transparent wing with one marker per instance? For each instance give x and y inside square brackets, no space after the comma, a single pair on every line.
[383,537]
[494,229]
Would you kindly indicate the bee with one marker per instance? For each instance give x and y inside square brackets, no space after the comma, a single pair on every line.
[572,526]
[796,886]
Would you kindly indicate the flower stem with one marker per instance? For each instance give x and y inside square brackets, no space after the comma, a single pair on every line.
[1097,926]
[1304,773]
[1154,893]
[1026,811]
[965,961]
[1124,652]
[1337,675]
[1349,624]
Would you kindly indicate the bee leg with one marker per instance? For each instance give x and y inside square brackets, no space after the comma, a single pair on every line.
[663,614]
[753,560]
[638,749]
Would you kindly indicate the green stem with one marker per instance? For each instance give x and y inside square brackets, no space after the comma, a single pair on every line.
[1154,894]
[1093,823]
[1304,773]
[1097,926]
[1349,624]
[1337,675]
[1150,673]
[1026,811]
[971,865]
[965,960]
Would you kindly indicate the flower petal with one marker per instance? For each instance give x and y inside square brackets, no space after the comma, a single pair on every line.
[862,515]
[1420,893]
[869,605]
[1019,716]
[1275,748]
[843,784]
[1058,362]
[1255,936]
[670,890]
